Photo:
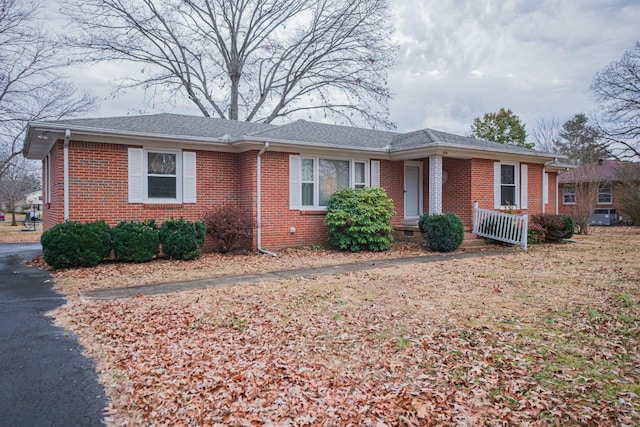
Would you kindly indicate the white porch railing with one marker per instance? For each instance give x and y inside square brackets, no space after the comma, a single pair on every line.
[500,226]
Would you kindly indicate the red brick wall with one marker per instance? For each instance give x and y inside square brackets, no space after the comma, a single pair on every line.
[457,191]
[99,190]
[98,186]
[482,183]
[392,180]
[534,187]
[52,213]
[550,207]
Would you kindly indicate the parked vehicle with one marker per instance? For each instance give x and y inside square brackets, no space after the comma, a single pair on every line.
[1,216]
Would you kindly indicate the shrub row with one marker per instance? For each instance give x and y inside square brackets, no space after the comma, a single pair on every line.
[72,244]
[548,228]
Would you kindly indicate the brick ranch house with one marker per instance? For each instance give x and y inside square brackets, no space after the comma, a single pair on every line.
[607,175]
[169,165]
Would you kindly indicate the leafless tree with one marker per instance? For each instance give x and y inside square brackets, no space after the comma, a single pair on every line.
[253,60]
[31,87]
[546,134]
[628,191]
[19,178]
[587,180]
[617,88]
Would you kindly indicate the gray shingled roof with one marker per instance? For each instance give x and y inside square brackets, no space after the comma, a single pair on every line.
[299,132]
[321,134]
[171,125]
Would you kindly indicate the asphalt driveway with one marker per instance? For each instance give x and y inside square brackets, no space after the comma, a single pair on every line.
[44,379]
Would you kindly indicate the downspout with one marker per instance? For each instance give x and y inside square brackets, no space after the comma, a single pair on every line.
[259,201]
[65,167]
[543,172]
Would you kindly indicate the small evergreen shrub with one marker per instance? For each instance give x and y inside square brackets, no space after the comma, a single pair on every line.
[72,244]
[182,239]
[442,233]
[229,226]
[360,219]
[568,226]
[136,241]
[536,234]
[556,227]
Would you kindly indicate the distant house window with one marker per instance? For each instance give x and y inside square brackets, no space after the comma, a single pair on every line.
[605,194]
[569,195]
[507,185]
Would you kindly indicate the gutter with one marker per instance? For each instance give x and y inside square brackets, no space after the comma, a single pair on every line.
[259,201]
[65,166]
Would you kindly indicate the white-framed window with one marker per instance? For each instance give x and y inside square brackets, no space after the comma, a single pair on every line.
[605,194]
[569,195]
[161,176]
[313,179]
[508,187]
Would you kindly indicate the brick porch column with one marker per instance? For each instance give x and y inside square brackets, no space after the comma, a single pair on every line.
[435,184]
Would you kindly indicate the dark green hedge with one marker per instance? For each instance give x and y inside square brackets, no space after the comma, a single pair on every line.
[182,239]
[72,244]
[136,241]
[442,233]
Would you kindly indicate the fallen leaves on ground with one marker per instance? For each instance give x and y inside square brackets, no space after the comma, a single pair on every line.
[544,337]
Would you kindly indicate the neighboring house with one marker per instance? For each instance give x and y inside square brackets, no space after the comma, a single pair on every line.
[168,165]
[605,176]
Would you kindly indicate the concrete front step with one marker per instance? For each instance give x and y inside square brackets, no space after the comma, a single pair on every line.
[412,234]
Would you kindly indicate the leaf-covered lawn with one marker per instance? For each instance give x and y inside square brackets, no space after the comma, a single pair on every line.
[546,337]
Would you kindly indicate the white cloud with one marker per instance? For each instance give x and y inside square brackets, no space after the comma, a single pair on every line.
[459,59]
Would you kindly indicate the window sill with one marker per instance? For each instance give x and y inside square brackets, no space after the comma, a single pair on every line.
[162,205]
[313,212]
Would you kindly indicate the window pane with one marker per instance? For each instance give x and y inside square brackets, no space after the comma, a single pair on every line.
[161,163]
[508,175]
[307,170]
[604,194]
[307,194]
[333,176]
[359,173]
[508,195]
[162,187]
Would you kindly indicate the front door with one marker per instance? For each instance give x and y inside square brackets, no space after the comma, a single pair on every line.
[412,190]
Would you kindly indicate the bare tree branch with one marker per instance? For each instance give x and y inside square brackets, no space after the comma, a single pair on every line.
[31,87]
[254,60]
[617,88]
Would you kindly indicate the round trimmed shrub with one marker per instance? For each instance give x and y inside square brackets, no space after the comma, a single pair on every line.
[136,241]
[442,233]
[182,239]
[360,219]
[72,244]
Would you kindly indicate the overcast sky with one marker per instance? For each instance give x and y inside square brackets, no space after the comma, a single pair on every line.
[460,59]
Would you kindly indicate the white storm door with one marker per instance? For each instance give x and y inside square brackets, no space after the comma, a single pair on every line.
[412,191]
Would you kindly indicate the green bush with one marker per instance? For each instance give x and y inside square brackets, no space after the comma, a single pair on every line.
[536,234]
[568,226]
[136,241]
[182,239]
[442,233]
[360,219]
[72,244]
[229,226]
[556,227]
